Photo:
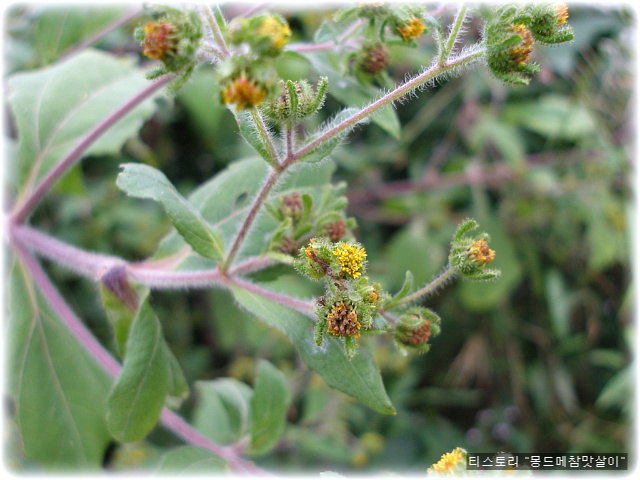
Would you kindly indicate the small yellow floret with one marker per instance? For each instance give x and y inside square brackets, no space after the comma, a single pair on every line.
[413,29]
[562,13]
[277,31]
[350,257]
[481,252]
[449,463]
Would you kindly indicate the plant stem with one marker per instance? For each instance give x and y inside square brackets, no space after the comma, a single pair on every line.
[453,35]
[301,306]
[258,202]
[437,282]
[258,121]
[112,367]
[22,210]
[215,29]
[391,97]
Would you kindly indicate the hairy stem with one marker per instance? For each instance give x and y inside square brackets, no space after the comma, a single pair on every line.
[258,202]
[432,286]
[391,97]
[258,121]
[215,29]
[301,306]
[23,209]
[453,35]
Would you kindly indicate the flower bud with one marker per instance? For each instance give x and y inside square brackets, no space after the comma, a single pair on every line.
[297,100]
[336,230]
[373,58]
[265,35]
[470,255]
[243,93]
[416,328]
[411,29]
[549,23]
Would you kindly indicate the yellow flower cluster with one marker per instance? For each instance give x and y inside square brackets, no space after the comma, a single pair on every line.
[413,29]
[562,13]
[450,463]
[350,257]
[520,53]
[277,31]
[481,252]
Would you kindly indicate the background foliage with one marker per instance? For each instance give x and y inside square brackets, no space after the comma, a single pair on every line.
[539,361]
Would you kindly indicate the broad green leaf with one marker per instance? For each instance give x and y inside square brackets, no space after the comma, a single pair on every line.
[223,409]
[56,107]
[210,416]
[357,376]
[191,461]
[324,150]
[268,408]
[58,28]
[137,398]
[143,181]
[59,391]
[225,200]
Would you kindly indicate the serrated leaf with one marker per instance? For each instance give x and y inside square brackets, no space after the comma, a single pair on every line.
[56,107]
[357,376]
[143,181]
[191,461]
[138,396]
[268,408]
[58,390]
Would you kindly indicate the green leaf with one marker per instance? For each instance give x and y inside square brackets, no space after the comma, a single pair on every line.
[224,202]
[138,396]
[404,291]
[178,386]
[143,181]
[325,149]
[191,461]
[268,408]
[60,27]
[250,133]
[58,389]
[223,409]
[56,107]
[357,376]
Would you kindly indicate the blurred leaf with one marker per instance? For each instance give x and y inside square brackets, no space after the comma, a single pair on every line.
[143,181]
[357,376]
[554,117]
[60,27]
[56,107]
[58,389]
[138,396]
[618,390]
[404,291]
[224,409]
[268,408]
[559,303]
[191,461]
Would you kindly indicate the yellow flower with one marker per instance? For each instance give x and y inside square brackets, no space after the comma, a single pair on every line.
[243,93]
[158,40]
[413,29]
[351,258]
[520,53]
[562,13]
[450,463]
[481,252]
[276,30]
[343,321]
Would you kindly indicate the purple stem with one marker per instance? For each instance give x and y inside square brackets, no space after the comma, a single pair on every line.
[22,211]
[301,306]
[169,419]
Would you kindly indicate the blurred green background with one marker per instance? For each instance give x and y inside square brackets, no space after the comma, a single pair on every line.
[540,361]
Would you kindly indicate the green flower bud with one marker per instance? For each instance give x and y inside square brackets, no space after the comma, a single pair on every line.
[416,327]
[470,255]
[297,100]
